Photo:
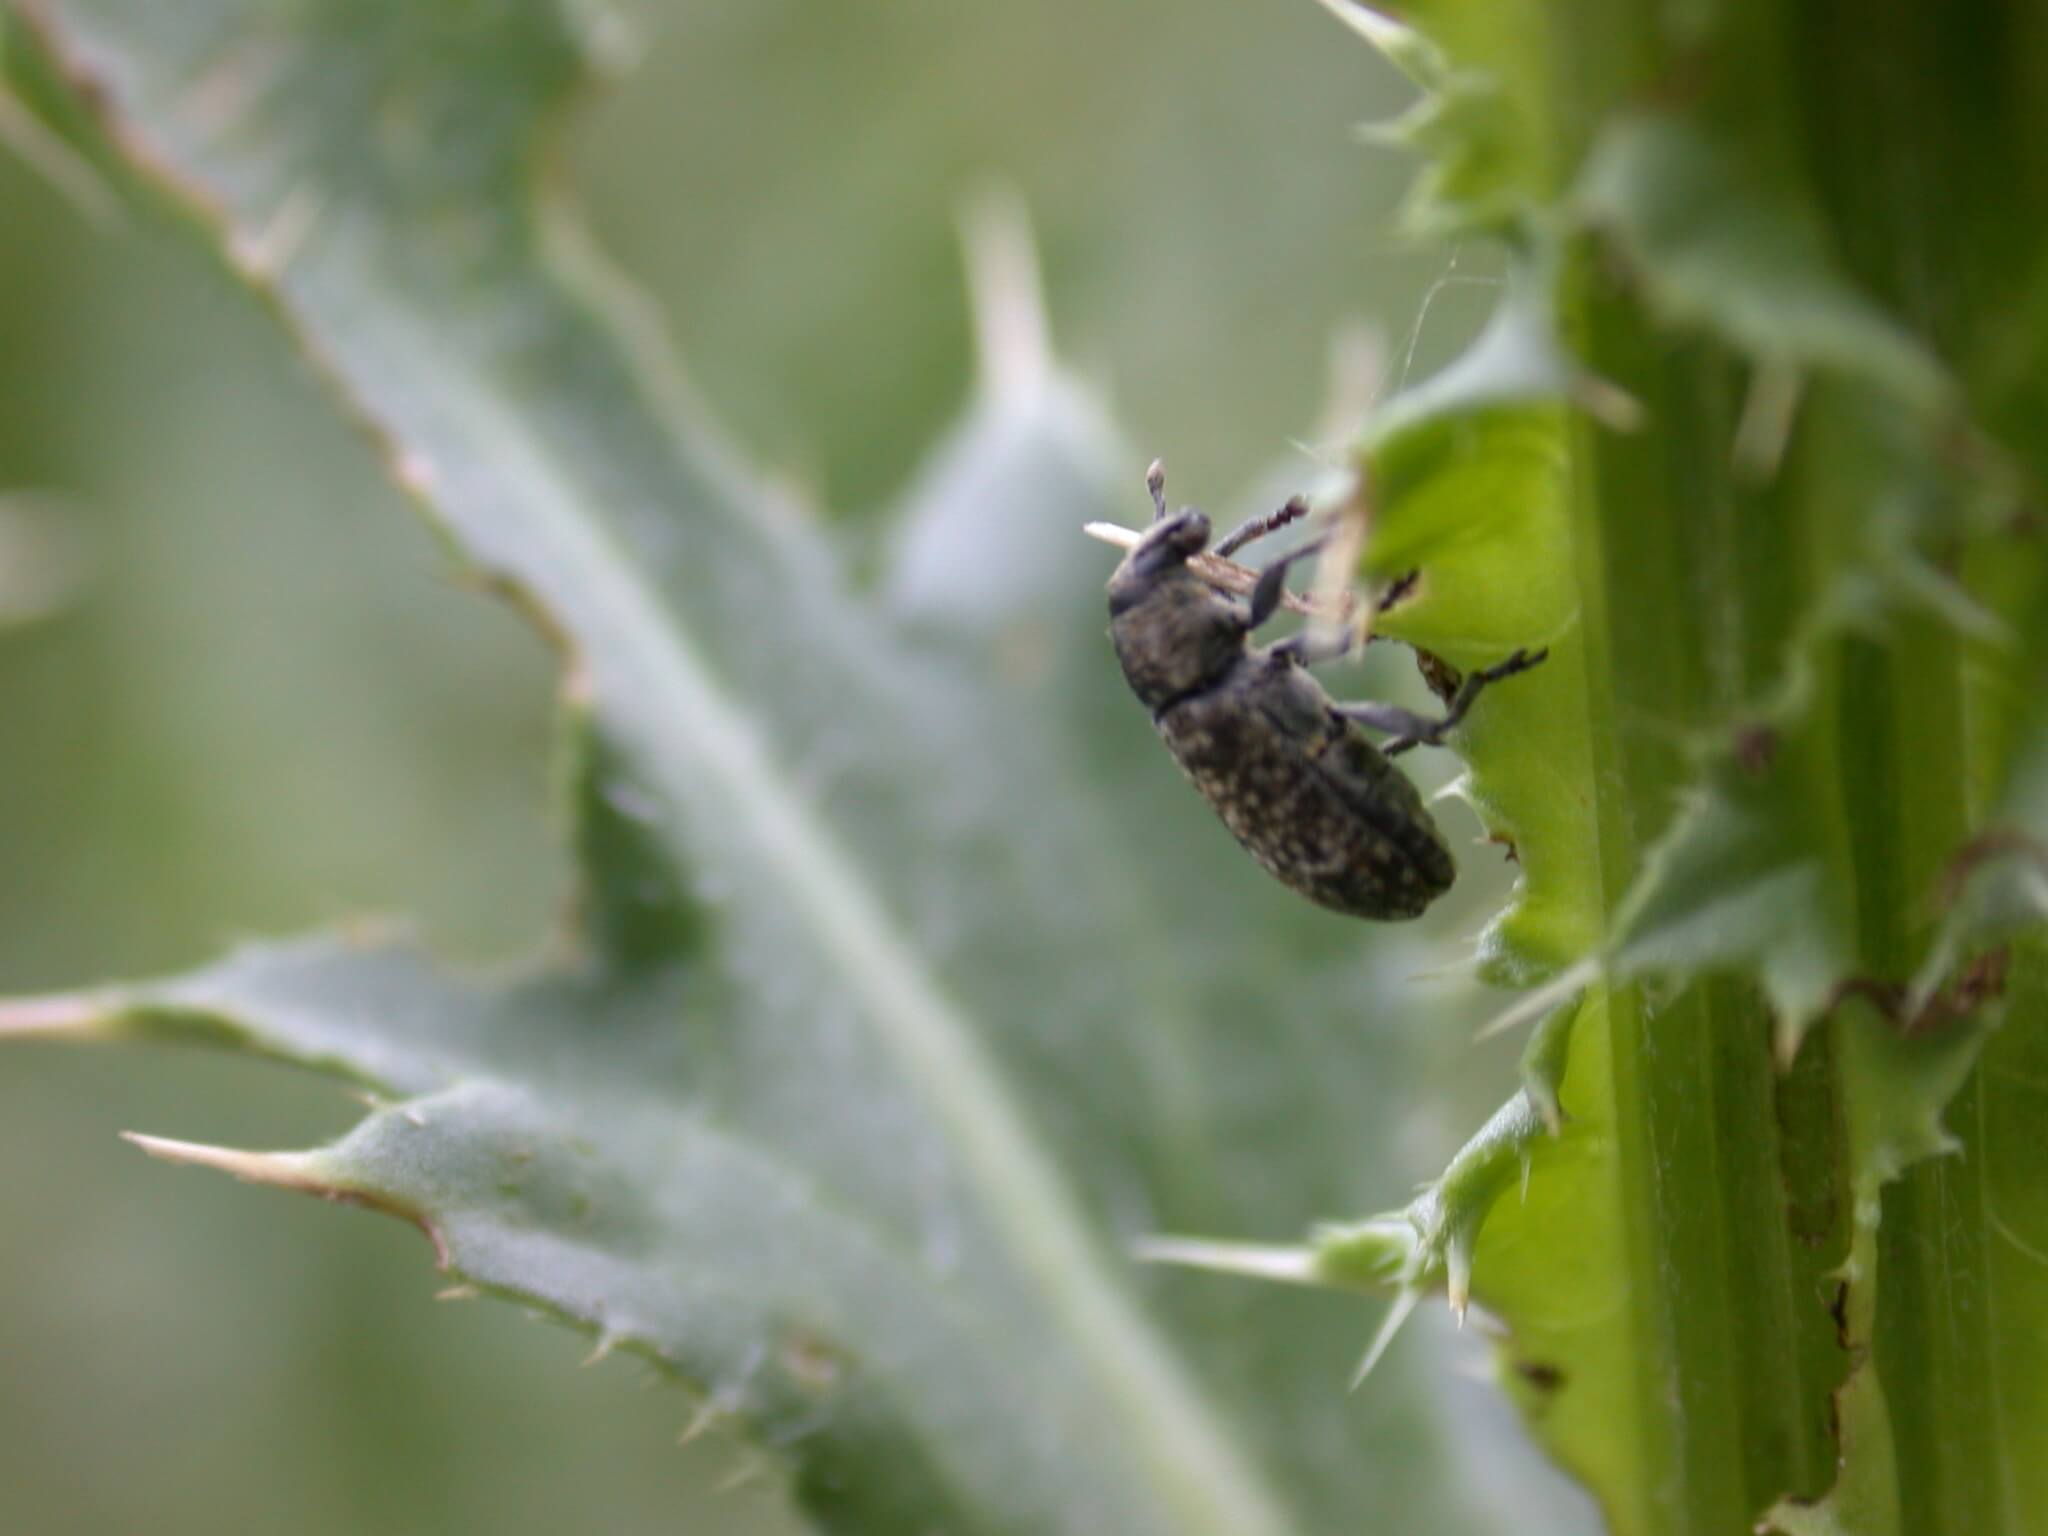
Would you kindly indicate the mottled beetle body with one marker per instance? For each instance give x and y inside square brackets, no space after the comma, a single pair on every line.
[1320,807]
[1288,769]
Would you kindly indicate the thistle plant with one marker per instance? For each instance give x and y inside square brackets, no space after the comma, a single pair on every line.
[893,1017]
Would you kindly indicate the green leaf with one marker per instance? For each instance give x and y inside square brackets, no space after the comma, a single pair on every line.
[1467,478]
[907,988]
[1483,166]
[1720,238]
[1467,481]
[1404,47]
[1761,720]
[43,149]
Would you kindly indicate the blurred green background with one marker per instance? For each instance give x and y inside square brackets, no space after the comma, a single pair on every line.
[268,707]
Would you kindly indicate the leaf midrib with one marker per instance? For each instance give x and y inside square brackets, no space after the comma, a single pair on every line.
[820,1202]
[685,724]
[1187,1456]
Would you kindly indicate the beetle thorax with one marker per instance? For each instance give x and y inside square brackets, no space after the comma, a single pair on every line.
[1174,633]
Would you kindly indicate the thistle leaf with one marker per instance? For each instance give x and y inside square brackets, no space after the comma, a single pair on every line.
[893,1009]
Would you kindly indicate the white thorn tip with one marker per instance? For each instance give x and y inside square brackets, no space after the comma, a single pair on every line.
[66,1016]
[71,175]
[1786,1039]
[1010,327]
[1260,1261]
[1458,1277]
[1533,1004]
[1459,788]
[263,253]
[1397,1314]
[1608,403]
[750,1469]
[283,1170]
[294,1171]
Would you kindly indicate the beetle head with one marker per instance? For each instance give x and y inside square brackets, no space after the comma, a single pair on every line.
[1174,633]
[1161,554]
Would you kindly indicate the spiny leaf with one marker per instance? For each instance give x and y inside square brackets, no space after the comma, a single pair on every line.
[1719,240]
[1773,596]
[895,1005]
[1485,168]
[1466,478]
[43,149]
[1404,47]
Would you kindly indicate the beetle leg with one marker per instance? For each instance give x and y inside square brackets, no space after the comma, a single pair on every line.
[1397,591]
[1411,730]
[1309,648]
[1273,582]
[1404,725]
[1258,527]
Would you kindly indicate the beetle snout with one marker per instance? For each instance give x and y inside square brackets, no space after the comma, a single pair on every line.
[1157,557]
[1184,534]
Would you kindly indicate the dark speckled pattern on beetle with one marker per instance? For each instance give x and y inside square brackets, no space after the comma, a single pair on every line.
[1306,793]
[1297,782]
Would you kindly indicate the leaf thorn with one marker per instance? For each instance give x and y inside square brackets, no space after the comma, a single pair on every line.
[1538,1001]
[1261,1261]
[708,1414]
[65,1016]
[751,1468]
[1010,328]
[295,1171]
[1397,1314]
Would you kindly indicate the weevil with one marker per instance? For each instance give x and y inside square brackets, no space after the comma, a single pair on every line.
[1290,770]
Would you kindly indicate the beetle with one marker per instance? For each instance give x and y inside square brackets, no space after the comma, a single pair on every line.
[1290,770]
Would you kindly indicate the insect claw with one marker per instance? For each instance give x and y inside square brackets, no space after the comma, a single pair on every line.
[1519,661]
[1398,591]
[1155,482]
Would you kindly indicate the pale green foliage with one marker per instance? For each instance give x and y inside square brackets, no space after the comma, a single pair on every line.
[906,988]
[874,1043]
[1789,844]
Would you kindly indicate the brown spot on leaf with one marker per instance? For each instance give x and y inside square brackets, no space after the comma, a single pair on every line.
[811,1362]
[1442,677]
[1980,981]
[1756,748]
[1992,843]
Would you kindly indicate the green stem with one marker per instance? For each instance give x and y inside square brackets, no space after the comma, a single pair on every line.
[1680,1097]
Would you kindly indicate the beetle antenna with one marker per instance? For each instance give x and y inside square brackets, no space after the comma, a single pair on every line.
[1155,482]
[1259,527]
